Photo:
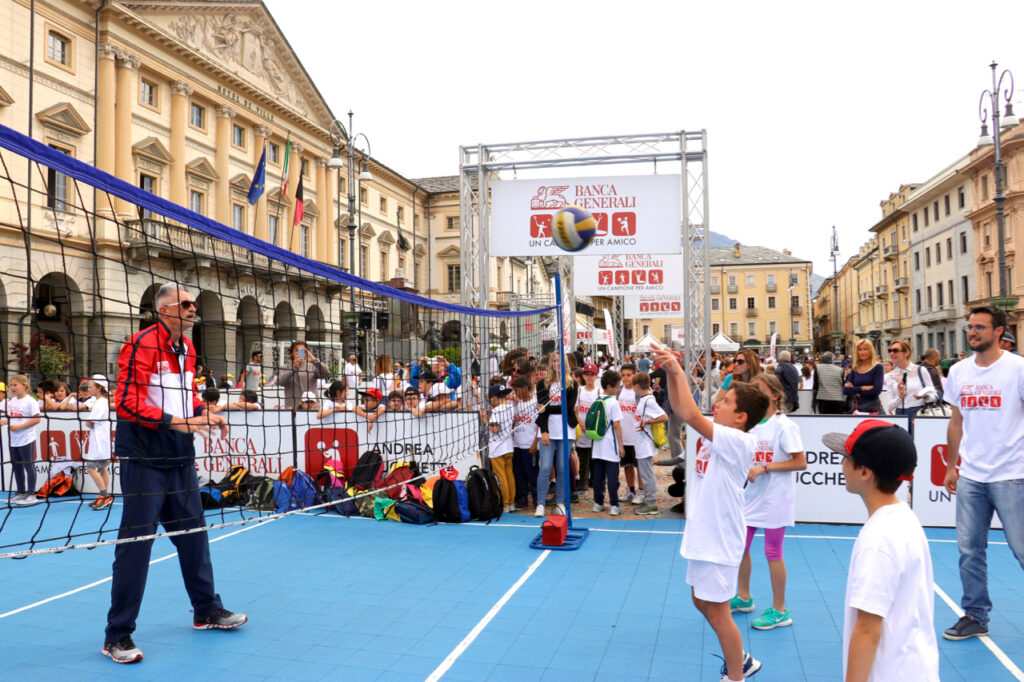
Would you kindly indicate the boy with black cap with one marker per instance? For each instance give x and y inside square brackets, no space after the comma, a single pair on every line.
[888,633]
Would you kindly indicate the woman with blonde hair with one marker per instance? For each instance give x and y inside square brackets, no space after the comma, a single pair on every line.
[385,380]
[864,382]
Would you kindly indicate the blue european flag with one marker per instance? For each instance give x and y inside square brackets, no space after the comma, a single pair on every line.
[259,179]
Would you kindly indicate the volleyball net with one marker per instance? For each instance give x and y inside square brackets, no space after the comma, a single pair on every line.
[309,366]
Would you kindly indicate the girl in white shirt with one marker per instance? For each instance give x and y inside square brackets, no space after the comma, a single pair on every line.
[97,456]
[335,400]
[769,502]
[22,418]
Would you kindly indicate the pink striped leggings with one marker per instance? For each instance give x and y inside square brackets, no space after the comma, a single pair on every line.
[772,542]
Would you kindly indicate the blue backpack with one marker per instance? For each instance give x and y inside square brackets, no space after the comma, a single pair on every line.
[299,495]
[415,512]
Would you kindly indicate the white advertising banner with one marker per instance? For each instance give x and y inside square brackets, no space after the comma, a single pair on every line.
[932,504]
[263,442]
[635,214]
[623,275]
[652,307]
[821,495]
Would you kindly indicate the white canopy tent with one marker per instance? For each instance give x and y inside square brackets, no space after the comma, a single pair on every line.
[644,344]
[723,344]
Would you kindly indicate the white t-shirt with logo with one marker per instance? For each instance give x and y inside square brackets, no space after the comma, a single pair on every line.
[555,420]
[584,399]
[501,442]
[770,501]
[715,528]
[991,400]
[891,576]
[524,425]
[627,403]
[608,447]
[99,434]
[646,408]
[20,410]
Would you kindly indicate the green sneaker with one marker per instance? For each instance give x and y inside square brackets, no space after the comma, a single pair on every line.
[646,509]
[741,605]
[771,619]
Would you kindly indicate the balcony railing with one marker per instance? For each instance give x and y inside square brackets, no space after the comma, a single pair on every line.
[751,312]
[891,325]
[901,283]
[866,296]
[503,299]
[890,252]
[882,291]
[770,287]
[796,310]
[945,312]
[732,289]
[716,289]
[168,240]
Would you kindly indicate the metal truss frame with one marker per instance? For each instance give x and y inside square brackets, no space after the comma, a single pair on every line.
[481,164]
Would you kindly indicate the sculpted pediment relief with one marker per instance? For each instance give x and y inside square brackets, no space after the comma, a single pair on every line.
[242,40]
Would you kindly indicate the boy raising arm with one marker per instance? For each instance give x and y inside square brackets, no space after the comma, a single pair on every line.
[715,534]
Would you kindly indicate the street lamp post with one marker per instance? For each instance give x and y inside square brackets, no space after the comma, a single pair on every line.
[990,100]
[339,136]
[835,291]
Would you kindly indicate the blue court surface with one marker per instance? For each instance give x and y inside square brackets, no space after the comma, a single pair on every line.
[357,599]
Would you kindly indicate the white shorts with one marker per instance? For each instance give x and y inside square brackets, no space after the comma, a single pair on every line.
[712,582]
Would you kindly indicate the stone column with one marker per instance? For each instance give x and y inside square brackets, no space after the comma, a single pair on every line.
[260,223]
[318,245]
[284,225]
[106,89]
[331,254]
[222,213]
[180,92]
[127,65]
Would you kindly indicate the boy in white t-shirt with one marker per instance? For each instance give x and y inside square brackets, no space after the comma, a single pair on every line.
[647,412]
[627,403]
[524,442]
[499,423]
[589,392]
[715,529]
[609,451]
[22,417]
[889,629]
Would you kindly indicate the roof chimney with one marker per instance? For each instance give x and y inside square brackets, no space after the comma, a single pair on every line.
[736,249]
[787,252]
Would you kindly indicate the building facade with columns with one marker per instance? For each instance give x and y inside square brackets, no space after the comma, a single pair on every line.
[182,99]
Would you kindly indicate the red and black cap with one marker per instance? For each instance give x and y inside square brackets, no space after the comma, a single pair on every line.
[879,445]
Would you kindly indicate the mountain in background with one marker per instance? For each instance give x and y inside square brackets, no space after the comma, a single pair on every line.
[719,241]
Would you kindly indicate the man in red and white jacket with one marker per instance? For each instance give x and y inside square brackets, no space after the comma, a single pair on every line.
[158,415]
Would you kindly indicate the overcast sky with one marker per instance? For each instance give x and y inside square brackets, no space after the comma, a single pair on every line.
[815,111]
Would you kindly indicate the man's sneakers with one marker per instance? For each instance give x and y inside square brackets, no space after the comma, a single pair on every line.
[646,509]
[770,619]
[615,510]
[965,628]
[221,619]
[123,650]
[741,605]
[750,666]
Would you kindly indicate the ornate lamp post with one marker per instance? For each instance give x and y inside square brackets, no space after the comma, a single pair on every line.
[339,136]
[990,101]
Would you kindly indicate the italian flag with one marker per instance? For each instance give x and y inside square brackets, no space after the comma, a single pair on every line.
[287,160]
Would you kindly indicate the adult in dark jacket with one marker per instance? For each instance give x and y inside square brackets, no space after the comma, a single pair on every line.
[864,382]
[158,415]
[789,375]
[549,423]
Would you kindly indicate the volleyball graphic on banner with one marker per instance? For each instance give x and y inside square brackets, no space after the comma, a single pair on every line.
[573,228]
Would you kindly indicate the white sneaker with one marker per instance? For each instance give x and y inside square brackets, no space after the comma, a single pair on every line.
[638,497]
[598,507]
[26,500]
[560,509]
[509,508]
[606,506]
[616,510]
[539,511]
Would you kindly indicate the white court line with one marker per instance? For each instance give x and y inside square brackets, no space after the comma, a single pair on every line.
[986,640]
[107,580]
[478,628]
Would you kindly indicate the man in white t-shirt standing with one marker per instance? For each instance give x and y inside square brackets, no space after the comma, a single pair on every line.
[352,372]
[987,430]
[888,631]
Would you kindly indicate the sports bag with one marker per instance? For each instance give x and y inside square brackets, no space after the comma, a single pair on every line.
[344,504]
[427,490]
[393,482]
[596,424]
[451,503]
[415,512]
[384,509]
[368,471]
[58,486]
[484,494]
[231,486]
[363,502]
[210,495]
[261,495]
